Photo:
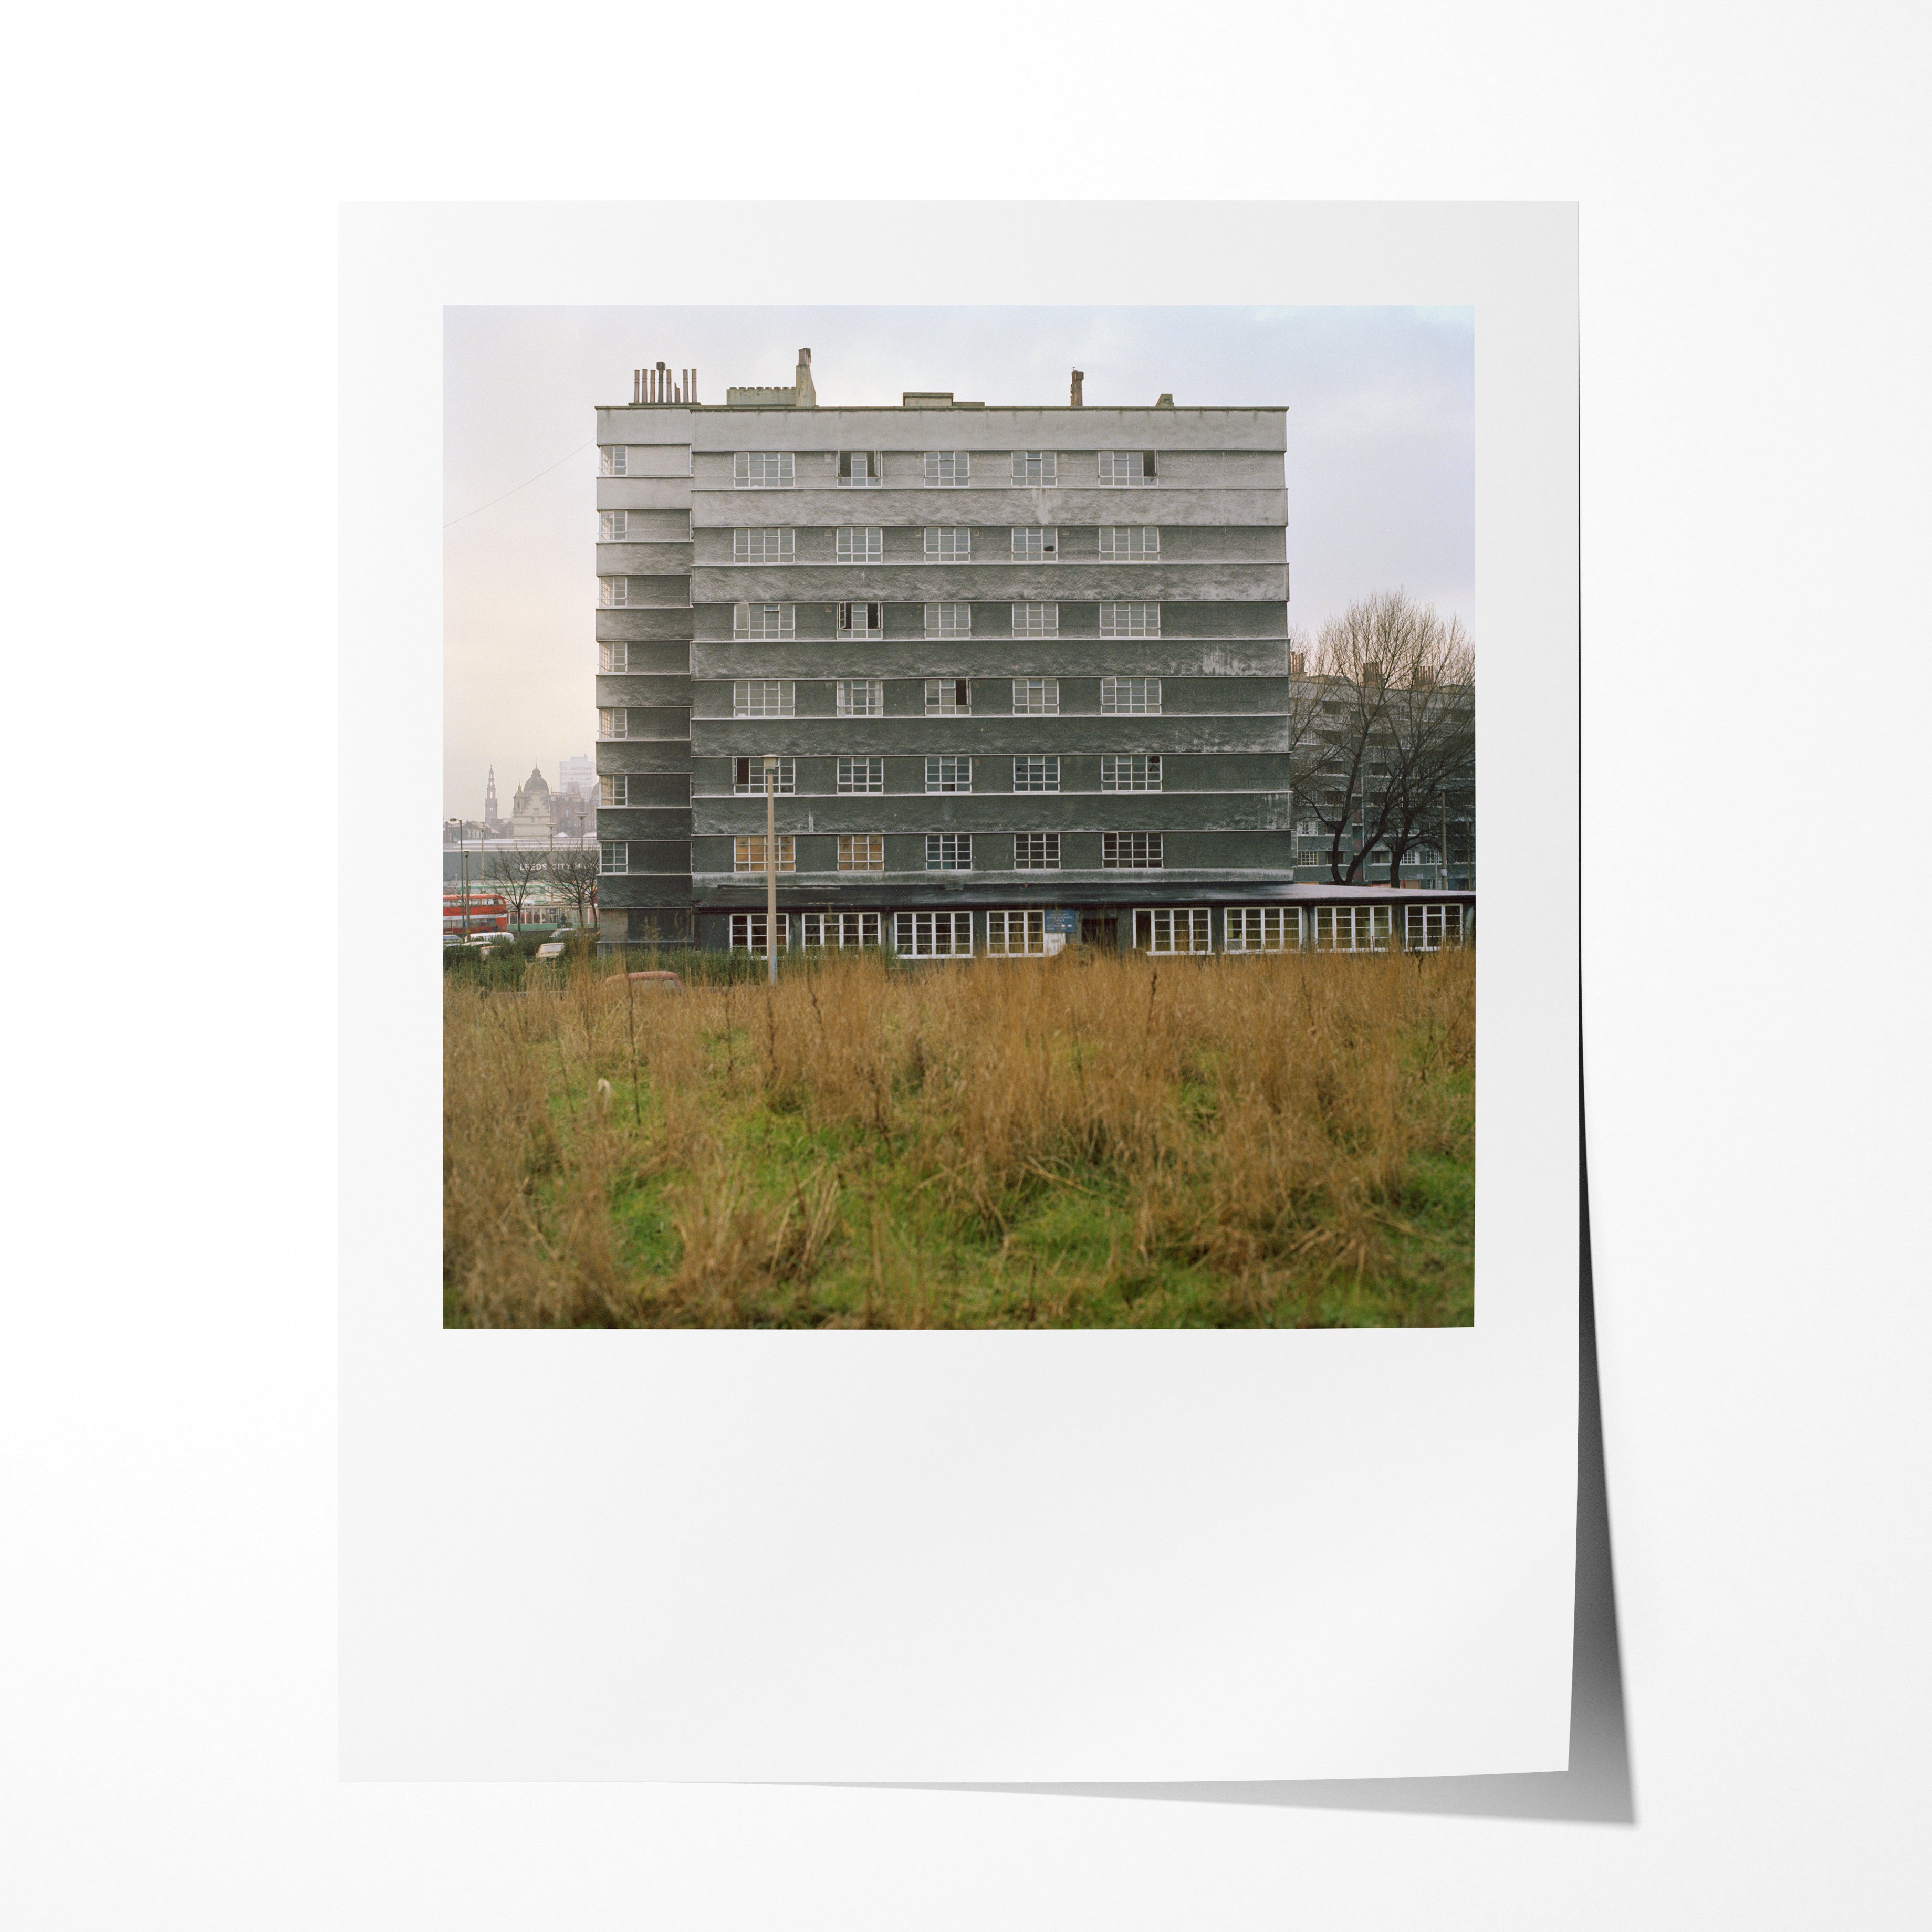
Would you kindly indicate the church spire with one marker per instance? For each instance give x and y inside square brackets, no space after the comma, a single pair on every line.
[490,799]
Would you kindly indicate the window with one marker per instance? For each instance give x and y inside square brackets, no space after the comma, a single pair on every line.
[838,929]
[1120,468]
[764,698]
[614,592]
[1173,929]
[1311,851]
[613,855]
[763,546]
[1131,773]
[1140,696]
[1035,620]
[949,620]
[1011,935]
[951,545]
[612,525]
[1036,468]
[867,546]
[1036,774]
[748,777]
[1131,851]
[762,469]
[864,621]
[747,855]
[1263,928]
[1035,544]
[613,656]
[949,698]
[614,789]
[862,851]
[613,724]
[1430,927]
[860,697]
[1130,620]
[861,774]
[1036,696]
[948,852]
[1139,545]
[1036,851]
[858,469]
[949,774]
[763,620]
[947,468]
[614,461]
[933,935]
[1362,928]
[749,931]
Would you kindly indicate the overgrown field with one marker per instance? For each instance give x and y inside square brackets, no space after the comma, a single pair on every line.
[1118,1142]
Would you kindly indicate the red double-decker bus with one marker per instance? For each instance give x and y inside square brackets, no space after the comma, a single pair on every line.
[488,912]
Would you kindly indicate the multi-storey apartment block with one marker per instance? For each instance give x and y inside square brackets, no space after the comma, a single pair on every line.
[1023,671]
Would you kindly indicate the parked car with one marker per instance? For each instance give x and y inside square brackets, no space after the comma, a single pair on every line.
[659,982]
[551,949]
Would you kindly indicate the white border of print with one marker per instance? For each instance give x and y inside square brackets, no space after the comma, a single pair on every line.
[1069,1556]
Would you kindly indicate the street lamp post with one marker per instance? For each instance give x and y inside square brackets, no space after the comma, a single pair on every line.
[772,867]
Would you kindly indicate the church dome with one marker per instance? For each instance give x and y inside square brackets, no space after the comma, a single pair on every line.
[534,784]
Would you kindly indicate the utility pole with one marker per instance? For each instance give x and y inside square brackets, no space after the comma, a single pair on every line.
[772,864]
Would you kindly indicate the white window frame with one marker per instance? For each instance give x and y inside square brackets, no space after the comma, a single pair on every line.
[614,459]
[1432,928]
[1130,620]
[849,772]
[614,789]
[849,460]
[1016,935]
[614,721]
[828,930]
[1166,925]
[764,546]
[614,654]
[949,698]
[933,935]
[937,845]
[1129,469]
[1035,620]
[1043,857]
[1253,929]
[1142,543]
[748,931]
[1036,468]
[860,697]
[862,851]
[754,786]
[1036,697]
[949,543]
[949,620]
[1351,928]
[1149,855]
[948,469]
[1049,764]
[747,853]
[613,857]
[765,621]
[612,525]
[1130,697]
[764,698]
[936,763]
[1036,543]
[846,548]
[613,593]
[865,610]
[1147,778]
[763,470]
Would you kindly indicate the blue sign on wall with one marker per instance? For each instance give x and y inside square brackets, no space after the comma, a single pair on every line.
[1059,920]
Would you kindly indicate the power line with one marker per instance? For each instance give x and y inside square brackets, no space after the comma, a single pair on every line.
[523,485]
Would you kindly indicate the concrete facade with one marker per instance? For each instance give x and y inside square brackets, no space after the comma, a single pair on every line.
[722,593]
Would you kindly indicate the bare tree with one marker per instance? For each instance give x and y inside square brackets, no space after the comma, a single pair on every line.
[519,871]
[1390,736]
[574,871]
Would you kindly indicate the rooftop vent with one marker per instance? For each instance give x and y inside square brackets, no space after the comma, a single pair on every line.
[663,384]
[926,399]
[1166,400]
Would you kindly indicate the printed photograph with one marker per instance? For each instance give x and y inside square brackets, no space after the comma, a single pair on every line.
[959,817]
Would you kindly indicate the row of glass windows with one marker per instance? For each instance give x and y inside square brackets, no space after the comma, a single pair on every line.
[945,697]
[1136,771]
[940,469]
[945,852]
[867,619]
[1025,544]
[1156,929]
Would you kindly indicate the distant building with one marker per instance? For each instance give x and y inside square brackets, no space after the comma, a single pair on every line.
[491,815]
[577,775]
[532,814]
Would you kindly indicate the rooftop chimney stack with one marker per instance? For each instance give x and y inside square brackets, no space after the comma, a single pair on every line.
[1077,401]
[807,396]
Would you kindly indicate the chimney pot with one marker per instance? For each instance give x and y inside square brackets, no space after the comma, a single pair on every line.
[1077,401]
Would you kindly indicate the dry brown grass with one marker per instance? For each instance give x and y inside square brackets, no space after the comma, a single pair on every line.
[1285,1139]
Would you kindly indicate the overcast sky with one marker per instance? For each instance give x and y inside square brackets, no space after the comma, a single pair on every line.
[1381,458]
